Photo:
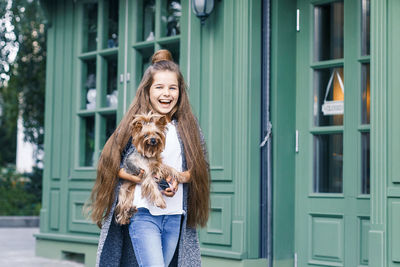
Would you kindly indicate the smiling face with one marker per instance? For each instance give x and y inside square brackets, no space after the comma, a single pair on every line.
[164,92]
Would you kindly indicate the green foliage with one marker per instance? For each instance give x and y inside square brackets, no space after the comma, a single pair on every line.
[8,44]
[8,125]
[29,69]
[22,79]
[20,194]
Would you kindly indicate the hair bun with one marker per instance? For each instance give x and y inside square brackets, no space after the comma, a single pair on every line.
[161,55]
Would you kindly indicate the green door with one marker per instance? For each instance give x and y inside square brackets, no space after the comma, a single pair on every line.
[332,121]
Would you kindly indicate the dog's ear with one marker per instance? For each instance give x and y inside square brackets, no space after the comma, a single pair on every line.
[162,121]
[136,124]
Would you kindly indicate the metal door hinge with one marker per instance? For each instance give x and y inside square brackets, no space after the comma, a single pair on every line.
[295,259]
[126,77]
[269,128]
[298,20]
[297,141]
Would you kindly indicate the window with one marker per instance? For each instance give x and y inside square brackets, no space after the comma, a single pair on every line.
[364,127]
[158,24]
[328,99]
[98,48]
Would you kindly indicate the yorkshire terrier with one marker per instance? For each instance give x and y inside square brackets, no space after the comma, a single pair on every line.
[148,137]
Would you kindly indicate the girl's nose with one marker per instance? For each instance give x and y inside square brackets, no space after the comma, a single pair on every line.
[165,91]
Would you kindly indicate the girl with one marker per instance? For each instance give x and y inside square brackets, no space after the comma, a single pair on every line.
[155,237]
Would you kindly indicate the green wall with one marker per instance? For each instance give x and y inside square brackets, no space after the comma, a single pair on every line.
[225,91]
[385,145]
[221,61]
[283,99]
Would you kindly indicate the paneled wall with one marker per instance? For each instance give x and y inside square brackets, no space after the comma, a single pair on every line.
[63,194]
[393,192]
[221,63]
[225,83]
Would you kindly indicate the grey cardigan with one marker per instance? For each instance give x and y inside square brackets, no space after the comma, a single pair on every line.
[115,247]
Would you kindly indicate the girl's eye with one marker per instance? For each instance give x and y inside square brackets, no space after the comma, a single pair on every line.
[173,88]
[158,87]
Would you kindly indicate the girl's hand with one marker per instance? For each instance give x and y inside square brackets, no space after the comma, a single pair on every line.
[170,192]
[185,176]
[133,178]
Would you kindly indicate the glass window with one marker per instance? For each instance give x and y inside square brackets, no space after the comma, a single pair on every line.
[170,18]
[111,96]
[90,27]
[328,99]
[112,25]
[365,163]
[89,92]
[328,31]
[365,94]
[108,124]
[174,49]
[98,88]
[365,27]
[149,14]
[87,134]
[158,28]
[328,163]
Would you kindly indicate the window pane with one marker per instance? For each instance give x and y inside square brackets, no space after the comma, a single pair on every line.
[89,93]
[149,13]
[112,35]
[365,27]
[328,31]
[174,49]
[365,94]
[328,163]
[365,163]
[111,99]
[108,125]
[170,18]
[90,27]
[144,59]
[87,132]
[328,107]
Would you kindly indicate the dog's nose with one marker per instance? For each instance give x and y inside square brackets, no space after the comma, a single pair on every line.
[153,141]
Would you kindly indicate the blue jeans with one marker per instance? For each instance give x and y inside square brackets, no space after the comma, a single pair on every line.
[154,238]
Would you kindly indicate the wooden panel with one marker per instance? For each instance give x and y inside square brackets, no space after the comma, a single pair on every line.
[394,93]
[58,95]
[54,209]
[217,89]
[393,58]
[364,225]
[76,219]
[376,249]
[219,227]
[224,78]
[394,230]
[326,239]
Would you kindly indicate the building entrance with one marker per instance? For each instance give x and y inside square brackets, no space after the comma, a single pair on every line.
[333,140]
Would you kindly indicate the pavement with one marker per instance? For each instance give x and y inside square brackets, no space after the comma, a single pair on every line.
[17,249]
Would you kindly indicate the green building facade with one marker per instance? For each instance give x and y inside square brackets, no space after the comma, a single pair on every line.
[323,190]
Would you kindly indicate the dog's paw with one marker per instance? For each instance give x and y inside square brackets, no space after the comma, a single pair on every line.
[132,211]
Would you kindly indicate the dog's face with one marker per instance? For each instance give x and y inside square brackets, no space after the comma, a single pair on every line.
[148,134]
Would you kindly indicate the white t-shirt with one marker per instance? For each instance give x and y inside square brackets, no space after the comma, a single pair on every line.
[172,156]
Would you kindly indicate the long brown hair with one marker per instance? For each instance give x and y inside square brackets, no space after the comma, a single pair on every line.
[103,192]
